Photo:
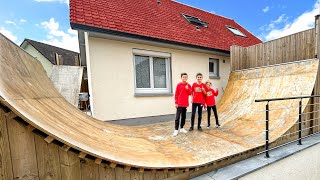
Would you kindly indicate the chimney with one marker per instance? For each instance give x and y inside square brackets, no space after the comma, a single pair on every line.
[76,60]
[57,58]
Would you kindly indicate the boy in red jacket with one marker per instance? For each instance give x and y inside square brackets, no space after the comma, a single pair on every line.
[181,97]
[211,103]
[198,100]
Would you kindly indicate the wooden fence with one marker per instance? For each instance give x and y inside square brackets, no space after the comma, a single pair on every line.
[287,49]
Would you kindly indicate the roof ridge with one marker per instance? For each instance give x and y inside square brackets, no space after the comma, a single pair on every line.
[51,45]
[200,9]
[48,52]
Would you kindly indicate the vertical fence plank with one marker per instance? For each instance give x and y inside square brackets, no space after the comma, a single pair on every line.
[89,170]
[69,165]
[48,159]
[5,154]
[23,151]
[106,172]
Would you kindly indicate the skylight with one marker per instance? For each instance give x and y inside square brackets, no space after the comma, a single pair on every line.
[194,20]
[236,31]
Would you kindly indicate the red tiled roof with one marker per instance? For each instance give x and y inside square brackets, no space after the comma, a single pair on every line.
[161,21]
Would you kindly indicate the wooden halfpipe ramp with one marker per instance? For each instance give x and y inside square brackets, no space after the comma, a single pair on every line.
[27,92]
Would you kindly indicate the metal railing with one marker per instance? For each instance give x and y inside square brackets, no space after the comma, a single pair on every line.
[299,139]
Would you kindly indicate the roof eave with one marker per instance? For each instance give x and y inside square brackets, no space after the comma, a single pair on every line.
[77,26]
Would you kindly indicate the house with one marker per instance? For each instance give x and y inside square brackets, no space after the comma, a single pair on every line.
[135,52]
[62,67]
[50,55]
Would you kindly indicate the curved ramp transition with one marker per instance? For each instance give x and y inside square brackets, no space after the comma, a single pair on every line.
[26,90]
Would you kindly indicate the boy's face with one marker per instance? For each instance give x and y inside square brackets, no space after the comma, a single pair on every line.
[184,78]
[208,85]
[199,79]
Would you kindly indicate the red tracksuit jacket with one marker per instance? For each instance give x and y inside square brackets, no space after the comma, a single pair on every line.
[182,94]
[197,94]
[210,97]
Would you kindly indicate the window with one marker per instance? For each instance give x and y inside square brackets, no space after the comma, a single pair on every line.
[236,31]
[194,20]
[213,68]
[152,72]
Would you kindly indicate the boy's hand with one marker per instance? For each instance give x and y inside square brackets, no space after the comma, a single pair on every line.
[187,87]
[203,90]
[176,105]
[216,89]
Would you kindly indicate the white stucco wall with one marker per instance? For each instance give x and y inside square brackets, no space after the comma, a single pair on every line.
[302,165]
[46,64]
[112,78]
[67,80]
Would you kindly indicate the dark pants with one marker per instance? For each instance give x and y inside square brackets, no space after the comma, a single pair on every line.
[214,109]
[194,108]
[180,111]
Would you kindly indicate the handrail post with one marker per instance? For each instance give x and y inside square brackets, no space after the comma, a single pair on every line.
[267,130]
[300,122]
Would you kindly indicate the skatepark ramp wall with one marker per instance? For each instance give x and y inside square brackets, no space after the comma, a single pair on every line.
[291,48]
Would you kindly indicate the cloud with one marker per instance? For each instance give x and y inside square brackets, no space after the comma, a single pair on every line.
[8,34]
[266,9]
[281,19]
[59,1]
[10,22]
[59,38]
[303,22]
[23,21]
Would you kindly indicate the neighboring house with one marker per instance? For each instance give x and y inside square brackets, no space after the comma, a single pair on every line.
[62,67]
[135,51]
[50,55]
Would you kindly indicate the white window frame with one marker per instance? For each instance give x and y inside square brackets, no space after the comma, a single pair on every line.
[236,31]
[216,68]
[151,55]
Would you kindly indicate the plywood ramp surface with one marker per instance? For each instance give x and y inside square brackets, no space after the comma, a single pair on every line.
[25,89]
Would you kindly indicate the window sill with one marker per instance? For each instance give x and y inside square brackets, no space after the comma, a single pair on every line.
[152,94]
[214,77]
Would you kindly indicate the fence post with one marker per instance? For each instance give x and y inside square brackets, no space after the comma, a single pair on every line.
[267,130]
[300,122]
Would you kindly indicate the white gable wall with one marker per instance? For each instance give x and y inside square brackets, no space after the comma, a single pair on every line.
[46,64]
[111,76]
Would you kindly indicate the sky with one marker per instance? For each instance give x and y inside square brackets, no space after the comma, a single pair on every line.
[48,21]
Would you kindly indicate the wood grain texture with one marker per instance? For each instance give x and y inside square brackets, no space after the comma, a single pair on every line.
[5,153]
[89,170]
[69,165]
[48,159]
[10,115]
[22,146]
[66,147]
[49,139]
[106,172]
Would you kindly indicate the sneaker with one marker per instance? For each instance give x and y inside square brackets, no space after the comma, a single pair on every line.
[175,133]
[191,129]
[183,130]
[208,127]
[218,125]
[199,128]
